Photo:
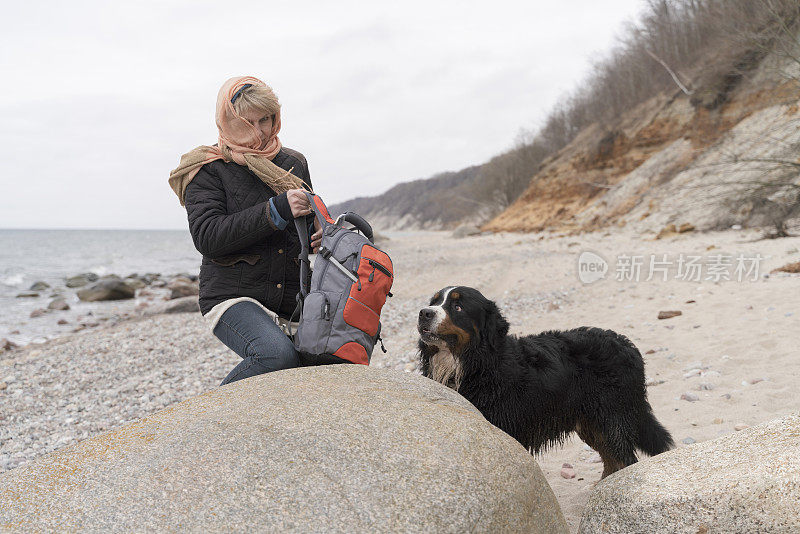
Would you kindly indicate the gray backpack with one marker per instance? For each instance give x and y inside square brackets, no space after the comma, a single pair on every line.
[340,313]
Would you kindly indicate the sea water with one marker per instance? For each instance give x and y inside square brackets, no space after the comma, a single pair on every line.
[51,256]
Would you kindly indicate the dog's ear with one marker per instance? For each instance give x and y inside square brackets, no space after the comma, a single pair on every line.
[495,326]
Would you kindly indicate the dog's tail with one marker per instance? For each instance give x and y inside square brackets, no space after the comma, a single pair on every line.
[653,437]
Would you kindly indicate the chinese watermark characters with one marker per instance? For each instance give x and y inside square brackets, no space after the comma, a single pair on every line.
[663,267]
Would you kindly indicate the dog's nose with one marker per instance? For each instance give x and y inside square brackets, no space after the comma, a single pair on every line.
[426,313]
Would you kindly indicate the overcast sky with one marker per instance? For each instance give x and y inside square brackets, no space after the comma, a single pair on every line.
[100,99]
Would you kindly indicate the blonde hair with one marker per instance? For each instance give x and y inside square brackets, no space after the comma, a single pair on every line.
[257,98]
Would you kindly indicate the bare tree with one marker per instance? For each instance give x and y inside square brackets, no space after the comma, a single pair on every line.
[702,48]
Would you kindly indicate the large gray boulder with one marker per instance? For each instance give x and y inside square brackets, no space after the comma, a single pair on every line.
[341,448]
[740,483]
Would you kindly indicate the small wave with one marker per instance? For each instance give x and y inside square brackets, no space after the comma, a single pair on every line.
[13,280]
[99,270]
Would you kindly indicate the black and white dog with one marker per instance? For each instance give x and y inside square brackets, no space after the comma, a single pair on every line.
[540,388]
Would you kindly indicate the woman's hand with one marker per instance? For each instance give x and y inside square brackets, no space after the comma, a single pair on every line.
[298,202]
[316,239]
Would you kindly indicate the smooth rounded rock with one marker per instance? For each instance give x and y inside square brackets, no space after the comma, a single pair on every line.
[135,282]
[39,286]
[179,305]
[744,482]
[58,304]
[179,290]
[109,289]
[340,448]
[81,280]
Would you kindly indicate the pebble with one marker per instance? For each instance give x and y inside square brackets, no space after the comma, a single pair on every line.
[82,385]
[567,471]
[594,459]
[740,426]
[689,396]
[718,421]
[669,314]
[653,381]
[756,380]
[695,366]
[690,374]
[688,441]
[5,344]
[706,386]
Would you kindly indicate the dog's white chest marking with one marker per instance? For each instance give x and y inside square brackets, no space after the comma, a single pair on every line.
[446,369]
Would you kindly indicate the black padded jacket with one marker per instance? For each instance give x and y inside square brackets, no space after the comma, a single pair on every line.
[244,252]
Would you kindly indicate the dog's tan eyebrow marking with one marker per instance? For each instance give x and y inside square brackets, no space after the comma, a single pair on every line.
[455,295]
[436,296]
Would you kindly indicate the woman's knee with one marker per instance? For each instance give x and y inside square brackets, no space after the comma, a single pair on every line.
[275,353]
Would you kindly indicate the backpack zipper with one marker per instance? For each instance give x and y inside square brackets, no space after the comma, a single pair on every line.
[381,268]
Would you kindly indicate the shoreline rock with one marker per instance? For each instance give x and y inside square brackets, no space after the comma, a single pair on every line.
[109,289]
[81,280]
[58,304]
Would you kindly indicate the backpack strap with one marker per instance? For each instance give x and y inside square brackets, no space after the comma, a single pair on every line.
[321,211]
[319,208]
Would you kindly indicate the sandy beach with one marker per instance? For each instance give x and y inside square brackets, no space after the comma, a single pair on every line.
[731,354]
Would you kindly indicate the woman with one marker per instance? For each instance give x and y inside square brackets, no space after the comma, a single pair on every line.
[241,195]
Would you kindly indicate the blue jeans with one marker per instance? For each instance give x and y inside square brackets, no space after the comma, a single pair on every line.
[248,331]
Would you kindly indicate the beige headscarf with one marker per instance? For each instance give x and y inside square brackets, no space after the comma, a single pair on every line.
[239,141]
